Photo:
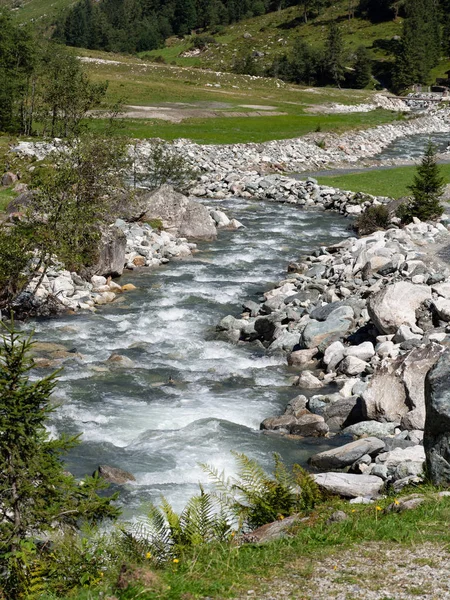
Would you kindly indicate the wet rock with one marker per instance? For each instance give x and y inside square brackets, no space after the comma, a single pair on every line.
[308,381]
[339,458]
[114,474]
[350,485]
[121,361]
[437,423]
[300,358]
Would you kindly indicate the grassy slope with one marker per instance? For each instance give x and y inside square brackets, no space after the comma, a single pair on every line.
[387,182]
[224,571]
[274,33]
[141,83]
[43,11]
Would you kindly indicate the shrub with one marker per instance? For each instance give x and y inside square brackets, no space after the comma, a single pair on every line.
[202,41]
[256,498]
[427,189]
[162,164]
[372,219]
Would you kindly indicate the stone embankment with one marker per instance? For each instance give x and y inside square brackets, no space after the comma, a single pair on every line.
[362,323]
[311,152]
[157,229]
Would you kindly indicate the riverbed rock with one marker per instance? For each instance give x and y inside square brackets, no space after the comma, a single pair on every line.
[350,485]
[437,423]
[396,305]
[111,258]
[339,458]
[179,214]
[370,428]
[271,531]
[114,474]
[319,334]
[384,399]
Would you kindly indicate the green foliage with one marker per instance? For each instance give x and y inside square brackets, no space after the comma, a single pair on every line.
[362,74]
[70,204]
[256,498]
[37,495]
[245,64]
[163,534]
[372,219]
[334,58]
[42,82]
[427,190]
[162,164]
[420,44]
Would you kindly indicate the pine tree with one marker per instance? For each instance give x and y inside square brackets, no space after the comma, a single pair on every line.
[420,44]
[334,55]
[427,189]
[36,493]
[362,74]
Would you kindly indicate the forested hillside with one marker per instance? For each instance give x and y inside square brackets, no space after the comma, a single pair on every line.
[318,53]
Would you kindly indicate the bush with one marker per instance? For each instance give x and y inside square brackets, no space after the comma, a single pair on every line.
[372,219]
[202,41]
[163,164]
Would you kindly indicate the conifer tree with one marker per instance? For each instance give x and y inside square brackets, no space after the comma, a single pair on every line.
[36,493]
[427,189]
[362,74]
[420,44]
[334,55]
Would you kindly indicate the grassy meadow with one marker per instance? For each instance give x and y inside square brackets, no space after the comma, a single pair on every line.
[385,182]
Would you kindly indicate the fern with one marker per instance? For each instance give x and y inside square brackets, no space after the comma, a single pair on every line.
[256,498]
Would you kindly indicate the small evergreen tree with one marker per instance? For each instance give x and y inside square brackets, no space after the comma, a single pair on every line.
[36,494]
[334,55]
[427,189]
[362,74]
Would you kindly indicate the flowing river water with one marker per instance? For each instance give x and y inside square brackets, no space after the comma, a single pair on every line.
[190,397]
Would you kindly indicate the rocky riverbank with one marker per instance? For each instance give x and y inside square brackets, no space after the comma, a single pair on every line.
[362,323]
[160,227]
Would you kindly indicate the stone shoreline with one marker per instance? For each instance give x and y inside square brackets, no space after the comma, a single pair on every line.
[362,323]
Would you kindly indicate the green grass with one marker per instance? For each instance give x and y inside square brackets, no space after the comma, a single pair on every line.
[6,195]
[40,10]
[232,130]
[223,571]
[385,182]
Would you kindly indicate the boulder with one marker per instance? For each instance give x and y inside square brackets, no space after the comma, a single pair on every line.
[309,425]
[114,475]
[308,381]
[343,412]
[349,485]
[300,358]
[9,178]
[271,531]
[319,334]
[437,422]
[396,305]
[442,307]
[339,458]
[372,428]
[414,370]
[179,214]
[111,259]
[415,455]
[351,365]
[384,399]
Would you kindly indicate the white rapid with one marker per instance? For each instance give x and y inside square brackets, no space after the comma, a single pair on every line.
[189,396]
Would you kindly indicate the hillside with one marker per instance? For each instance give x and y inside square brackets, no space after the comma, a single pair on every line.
[41,11]
[274,34]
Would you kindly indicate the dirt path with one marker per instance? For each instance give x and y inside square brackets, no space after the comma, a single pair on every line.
[373,571]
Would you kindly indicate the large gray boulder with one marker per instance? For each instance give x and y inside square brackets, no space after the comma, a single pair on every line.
[178,214]
[384,399]
[349,485]
[396,305]
[111,258]
[320,334]
[437,423]
[339,458]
